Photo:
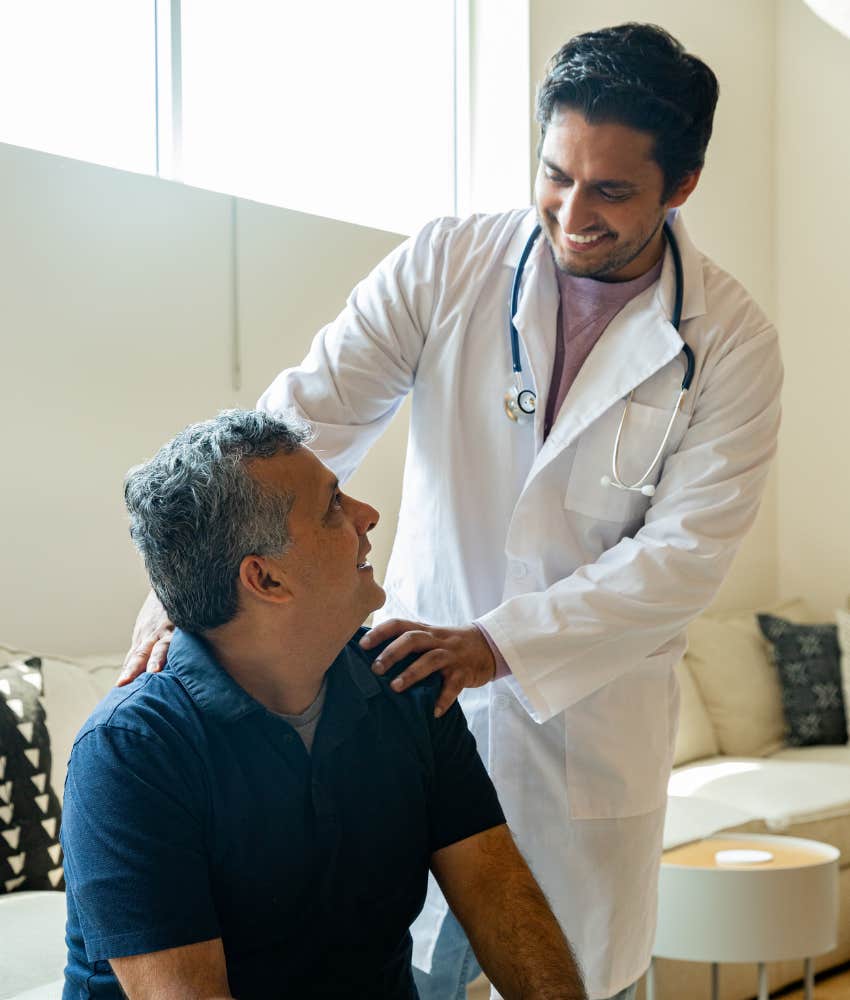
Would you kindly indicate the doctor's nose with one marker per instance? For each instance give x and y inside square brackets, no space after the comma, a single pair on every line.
[574,214]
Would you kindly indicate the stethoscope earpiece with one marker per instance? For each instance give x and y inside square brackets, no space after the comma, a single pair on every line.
[520,403]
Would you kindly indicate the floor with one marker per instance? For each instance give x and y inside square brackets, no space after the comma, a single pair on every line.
[836,987]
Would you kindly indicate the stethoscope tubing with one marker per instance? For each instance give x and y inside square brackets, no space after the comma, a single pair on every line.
[676,319]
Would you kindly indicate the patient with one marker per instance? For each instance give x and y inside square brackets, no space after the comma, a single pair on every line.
[259,819]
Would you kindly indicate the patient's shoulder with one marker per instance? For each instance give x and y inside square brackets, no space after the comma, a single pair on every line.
[425,691]
[154,706]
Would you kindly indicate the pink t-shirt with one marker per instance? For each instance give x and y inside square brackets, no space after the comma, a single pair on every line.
[587,307]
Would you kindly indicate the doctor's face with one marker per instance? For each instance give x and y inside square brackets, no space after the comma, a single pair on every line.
[598,196]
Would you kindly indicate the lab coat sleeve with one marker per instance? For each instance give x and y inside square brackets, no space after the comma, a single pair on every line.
[361,366]
[566,642]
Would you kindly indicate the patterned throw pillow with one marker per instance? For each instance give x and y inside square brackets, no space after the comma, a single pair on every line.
[30,855]
[808,660]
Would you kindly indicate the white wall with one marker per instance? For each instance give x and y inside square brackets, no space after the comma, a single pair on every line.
[812,210]
[116,300]
[731,215]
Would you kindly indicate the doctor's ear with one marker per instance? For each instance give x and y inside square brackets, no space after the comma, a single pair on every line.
[684,190]
[263,579]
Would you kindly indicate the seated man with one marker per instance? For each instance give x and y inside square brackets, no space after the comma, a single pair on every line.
[259,819]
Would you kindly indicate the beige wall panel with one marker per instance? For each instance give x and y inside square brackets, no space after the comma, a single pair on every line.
[116,294]
[731,213]
[115,305]
[813,285]
[295,273]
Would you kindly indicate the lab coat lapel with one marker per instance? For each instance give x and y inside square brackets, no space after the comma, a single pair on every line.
[637,343]
[536,318]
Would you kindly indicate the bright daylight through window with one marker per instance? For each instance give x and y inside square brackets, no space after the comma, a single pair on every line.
[340,109]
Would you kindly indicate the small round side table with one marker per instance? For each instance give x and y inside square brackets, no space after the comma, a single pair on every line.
[778,909]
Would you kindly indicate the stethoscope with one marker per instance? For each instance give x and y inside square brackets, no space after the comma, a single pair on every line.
[521,403]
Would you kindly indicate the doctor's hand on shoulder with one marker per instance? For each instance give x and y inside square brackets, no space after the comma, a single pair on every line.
[151,638]
[462,655]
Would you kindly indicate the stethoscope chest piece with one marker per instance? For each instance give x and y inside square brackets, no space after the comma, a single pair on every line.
[520,404]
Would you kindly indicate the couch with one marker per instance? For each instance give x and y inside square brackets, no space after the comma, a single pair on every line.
[32,924]
[732,772]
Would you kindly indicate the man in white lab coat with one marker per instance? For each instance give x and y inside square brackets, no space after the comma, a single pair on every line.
[547,572]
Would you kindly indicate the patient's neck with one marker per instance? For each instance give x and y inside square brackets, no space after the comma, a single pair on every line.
[278,664]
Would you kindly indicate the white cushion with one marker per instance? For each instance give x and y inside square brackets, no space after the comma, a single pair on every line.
[729,660]
[49,991]
[32,942]
[782,792]
[689,818]
[72,688]
[695,738]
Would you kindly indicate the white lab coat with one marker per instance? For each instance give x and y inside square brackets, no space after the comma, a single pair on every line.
[586,590]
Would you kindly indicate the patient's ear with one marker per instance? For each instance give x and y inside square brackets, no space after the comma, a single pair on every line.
[264,580]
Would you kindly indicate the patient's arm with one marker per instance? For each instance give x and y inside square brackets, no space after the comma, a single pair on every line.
[505,915]
[193,972]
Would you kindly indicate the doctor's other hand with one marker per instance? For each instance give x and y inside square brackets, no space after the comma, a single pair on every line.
[462,655]
[151,639]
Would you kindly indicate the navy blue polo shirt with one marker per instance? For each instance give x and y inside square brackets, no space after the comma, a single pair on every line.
[192,812]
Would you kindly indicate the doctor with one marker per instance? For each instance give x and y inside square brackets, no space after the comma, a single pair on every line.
[546,591]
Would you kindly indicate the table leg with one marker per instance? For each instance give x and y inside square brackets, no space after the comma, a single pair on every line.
[650,980]
[715,981]
[810,979]
[764,993]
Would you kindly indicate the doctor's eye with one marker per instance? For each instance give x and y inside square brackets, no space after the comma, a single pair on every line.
[556,177]
[615,195]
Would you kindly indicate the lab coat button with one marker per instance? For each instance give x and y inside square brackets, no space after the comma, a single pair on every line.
[518,569]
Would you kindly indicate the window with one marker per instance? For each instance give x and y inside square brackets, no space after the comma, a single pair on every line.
[337,108]
[78,78]
[343,109]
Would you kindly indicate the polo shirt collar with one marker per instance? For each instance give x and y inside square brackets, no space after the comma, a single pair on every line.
[215,692]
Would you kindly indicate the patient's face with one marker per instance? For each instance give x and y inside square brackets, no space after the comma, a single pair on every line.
[326,567]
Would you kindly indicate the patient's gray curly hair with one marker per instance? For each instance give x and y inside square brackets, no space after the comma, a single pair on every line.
[196,512]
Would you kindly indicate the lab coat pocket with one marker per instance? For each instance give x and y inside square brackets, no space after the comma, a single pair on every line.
[643,431]
[619,745]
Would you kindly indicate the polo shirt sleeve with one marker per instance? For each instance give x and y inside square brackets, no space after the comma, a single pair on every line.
[464,799]
[134,843]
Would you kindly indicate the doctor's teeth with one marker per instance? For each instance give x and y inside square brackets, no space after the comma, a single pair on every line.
[584,239]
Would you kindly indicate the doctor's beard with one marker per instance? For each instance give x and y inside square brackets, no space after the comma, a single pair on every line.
[604,266]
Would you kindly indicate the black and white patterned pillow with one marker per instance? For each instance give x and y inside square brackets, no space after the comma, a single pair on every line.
[808,660]
[30,855]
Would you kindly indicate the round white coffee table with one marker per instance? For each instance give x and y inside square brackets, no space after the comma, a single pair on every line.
[779,904]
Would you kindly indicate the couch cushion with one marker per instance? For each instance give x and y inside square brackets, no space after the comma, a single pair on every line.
[728,657]
[808,662]
[72,688]
[695,738]
[30,855]
[780,791]
[32,942]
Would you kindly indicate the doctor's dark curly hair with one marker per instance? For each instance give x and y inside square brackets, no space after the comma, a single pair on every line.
[636,75]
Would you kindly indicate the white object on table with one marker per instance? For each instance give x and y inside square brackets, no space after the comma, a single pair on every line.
[782,909]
